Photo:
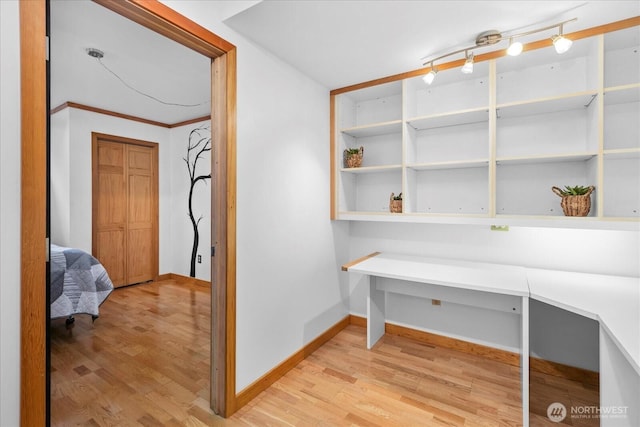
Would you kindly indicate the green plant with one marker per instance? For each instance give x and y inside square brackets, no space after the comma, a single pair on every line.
[577,190]
[398,197]
[351,151]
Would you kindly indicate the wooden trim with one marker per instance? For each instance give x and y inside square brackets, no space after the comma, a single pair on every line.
[589,32]
[190,121]
[223,233]
[559,370]
[166,276]
[490,353]
[58,108]
[123,140]
[78,106]
[164,20]
[186,280]
[33,128]
[357,320]
[332,159]
[230,224]
[108,113]
[350,264]
[157,17]
[262,383]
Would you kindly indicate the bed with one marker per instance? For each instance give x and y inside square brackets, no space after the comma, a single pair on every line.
[79,284]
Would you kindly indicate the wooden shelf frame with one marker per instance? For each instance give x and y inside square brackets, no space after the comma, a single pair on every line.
[593,99]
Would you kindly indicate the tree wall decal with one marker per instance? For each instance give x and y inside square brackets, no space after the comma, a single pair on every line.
[199,143]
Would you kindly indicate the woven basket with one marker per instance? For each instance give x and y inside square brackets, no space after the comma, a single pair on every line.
[395,206]
[575,205]
[353,160]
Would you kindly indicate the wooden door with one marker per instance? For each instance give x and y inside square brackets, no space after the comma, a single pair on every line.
[125,208]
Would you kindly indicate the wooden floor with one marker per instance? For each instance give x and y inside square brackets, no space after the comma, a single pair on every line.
[145,362]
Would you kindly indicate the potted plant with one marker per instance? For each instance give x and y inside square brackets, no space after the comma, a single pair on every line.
[576,200]
[395,203]
[353,157]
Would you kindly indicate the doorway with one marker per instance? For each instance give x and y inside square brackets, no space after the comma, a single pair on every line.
[125,207]
[33,54]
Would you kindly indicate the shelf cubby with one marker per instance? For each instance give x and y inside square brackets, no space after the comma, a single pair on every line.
[621,57]
[622,184]
[369,191]
[463,142]
[379,150]
[553,132]
[524,188]
[543,73]
[370,106]
[621,112]
[457,190]
[450,92]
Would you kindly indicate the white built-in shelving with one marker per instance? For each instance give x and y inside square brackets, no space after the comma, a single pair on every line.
[487,147]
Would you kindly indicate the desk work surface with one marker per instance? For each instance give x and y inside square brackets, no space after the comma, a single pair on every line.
[502,279]
[614,301]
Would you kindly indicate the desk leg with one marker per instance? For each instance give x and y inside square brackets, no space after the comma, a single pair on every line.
[524,360]
[375,313]
[619,386]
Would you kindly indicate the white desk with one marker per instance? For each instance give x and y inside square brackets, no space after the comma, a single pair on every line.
[612,300]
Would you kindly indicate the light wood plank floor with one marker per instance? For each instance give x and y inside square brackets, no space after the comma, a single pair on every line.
[145,362]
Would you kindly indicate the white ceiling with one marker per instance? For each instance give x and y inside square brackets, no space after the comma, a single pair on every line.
[147,61]
[337,43]
[340,43]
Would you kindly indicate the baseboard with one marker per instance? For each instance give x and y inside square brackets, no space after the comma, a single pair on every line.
[357,320]
[559,370]
[184,279]
[490,353]
[262,383]
[535,364]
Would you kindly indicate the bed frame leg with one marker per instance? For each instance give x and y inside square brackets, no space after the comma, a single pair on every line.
[70,322]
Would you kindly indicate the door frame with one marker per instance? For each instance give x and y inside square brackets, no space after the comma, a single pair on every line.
[33,252]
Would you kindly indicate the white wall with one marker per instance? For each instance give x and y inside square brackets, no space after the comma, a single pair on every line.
[288,252]
[10,215]
[60,183]
[181,228]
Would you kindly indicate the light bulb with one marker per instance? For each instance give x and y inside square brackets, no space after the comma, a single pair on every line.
[514,49]
[428,78]
[467,68]
[561,43]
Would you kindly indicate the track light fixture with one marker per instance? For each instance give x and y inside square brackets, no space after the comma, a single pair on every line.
[430,76]
[467,68]
[487,38]
[560,42]
[515,48]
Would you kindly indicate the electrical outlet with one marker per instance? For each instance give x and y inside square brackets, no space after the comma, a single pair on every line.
[436,302]
[199,259]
